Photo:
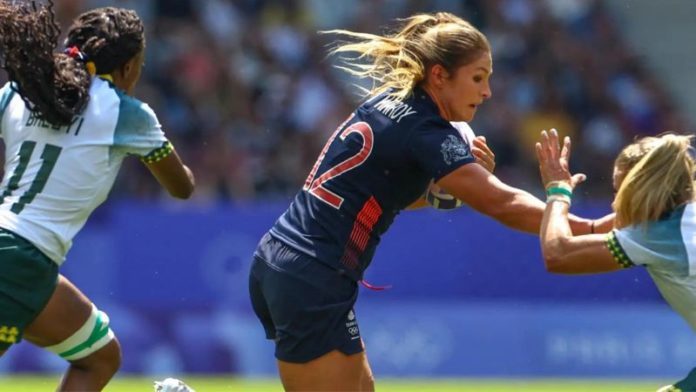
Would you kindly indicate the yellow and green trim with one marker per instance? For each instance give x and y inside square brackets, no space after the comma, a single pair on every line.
[158,154]
[617,251]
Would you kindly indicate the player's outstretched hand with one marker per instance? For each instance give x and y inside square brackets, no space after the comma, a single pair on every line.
[483,154]
[553,160]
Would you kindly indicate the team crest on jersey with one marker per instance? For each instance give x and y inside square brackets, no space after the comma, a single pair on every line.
[454,149]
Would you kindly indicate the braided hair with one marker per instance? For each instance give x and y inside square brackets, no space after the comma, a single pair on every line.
[56,85]
[108,36]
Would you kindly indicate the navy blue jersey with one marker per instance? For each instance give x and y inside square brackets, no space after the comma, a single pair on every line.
[378,162]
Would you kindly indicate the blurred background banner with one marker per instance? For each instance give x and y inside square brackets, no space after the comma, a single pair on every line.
[248,96]
[463,303]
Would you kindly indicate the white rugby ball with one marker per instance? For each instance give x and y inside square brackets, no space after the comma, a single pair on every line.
[436,196]
[464,130]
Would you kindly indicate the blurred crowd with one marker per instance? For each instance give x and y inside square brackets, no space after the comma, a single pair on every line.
[248,95]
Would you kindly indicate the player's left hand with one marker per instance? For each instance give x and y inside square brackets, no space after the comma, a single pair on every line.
[483,154]
[553,161]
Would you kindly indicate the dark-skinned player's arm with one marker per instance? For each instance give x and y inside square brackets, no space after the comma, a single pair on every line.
[173,175]
[513,207]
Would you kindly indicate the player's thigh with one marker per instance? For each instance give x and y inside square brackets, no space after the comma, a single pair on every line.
[66,312]
[334,371]
[27,281]
[72,327]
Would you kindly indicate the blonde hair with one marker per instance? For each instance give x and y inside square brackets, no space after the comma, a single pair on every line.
[660,178]
[399,61]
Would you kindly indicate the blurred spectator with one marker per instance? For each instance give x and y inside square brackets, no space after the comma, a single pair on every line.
[247,93]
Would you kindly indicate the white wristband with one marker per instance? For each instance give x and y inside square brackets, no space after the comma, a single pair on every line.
[562,198]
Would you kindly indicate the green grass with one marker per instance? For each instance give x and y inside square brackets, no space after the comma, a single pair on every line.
[41,383]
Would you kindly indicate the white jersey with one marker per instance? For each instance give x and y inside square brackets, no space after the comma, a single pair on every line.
[56,176]
[668,250]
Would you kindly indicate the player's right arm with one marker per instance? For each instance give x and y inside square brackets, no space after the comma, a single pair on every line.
[484,156]
[485,193]
[511,206]
[139,133]
[447,158]
[173,175]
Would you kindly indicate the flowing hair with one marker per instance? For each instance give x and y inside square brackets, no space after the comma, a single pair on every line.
[399,61]
[660,178]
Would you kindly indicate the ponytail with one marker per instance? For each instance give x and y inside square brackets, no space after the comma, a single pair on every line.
[53,85]
[399,61]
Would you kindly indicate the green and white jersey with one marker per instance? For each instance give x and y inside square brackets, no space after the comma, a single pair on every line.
[667,248]
[56,176]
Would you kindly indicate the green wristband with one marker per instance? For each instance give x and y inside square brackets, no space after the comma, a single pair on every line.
[559,191]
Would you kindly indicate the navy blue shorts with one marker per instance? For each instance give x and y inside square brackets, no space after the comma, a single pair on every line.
[304,305]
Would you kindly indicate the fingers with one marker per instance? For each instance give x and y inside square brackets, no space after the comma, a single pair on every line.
[540,153]
[546,145]
[553,138]
[565,152]
[480,142]
[483,154]
[484,159]
[554,147]
[553,160]
[577,178]
[541,157]
[550,143]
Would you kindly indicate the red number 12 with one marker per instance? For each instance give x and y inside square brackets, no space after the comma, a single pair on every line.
[315,186]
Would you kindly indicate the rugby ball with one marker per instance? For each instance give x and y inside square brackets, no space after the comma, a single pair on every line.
[436,196]
[464,130]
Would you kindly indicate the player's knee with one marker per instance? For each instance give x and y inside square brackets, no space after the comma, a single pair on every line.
[93,346]
[105,361]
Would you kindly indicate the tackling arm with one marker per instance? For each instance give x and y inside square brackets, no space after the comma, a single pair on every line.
[566,254]
[604,224]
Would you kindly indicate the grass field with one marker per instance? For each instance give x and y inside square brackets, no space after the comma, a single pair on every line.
[44,383]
